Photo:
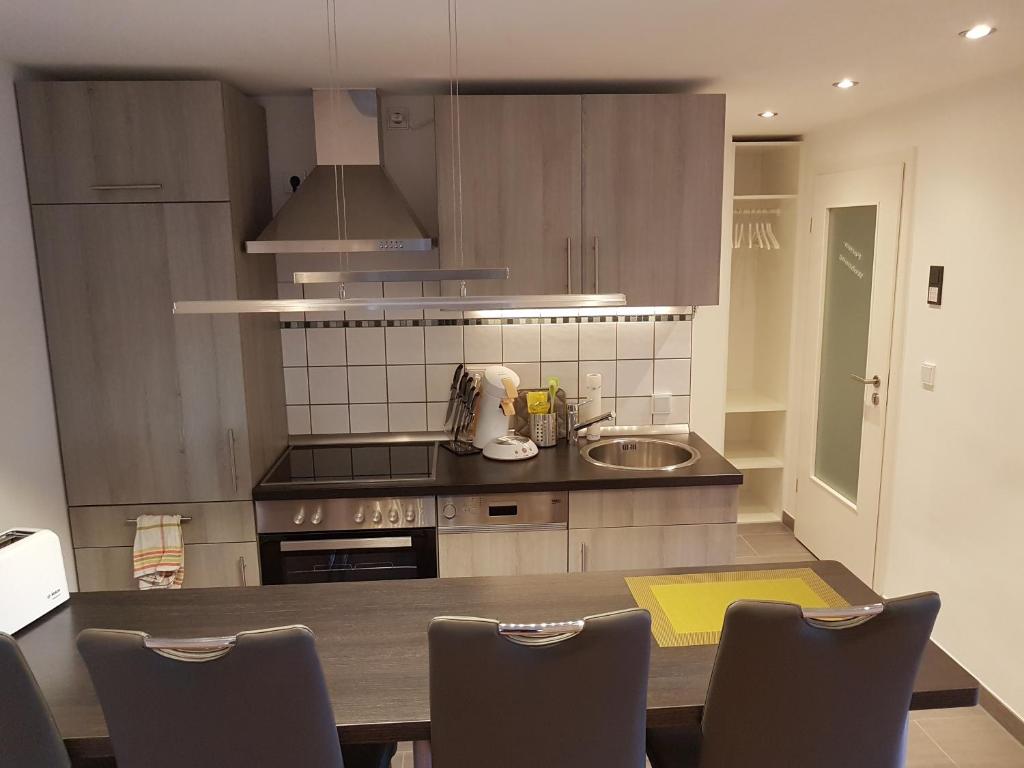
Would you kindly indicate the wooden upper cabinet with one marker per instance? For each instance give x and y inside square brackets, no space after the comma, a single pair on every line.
[520,190]
[113,142]
[652,196]
[151,406]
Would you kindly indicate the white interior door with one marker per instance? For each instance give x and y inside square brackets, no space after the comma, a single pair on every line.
[854,246]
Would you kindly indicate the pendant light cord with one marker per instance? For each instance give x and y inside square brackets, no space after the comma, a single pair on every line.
[340,208]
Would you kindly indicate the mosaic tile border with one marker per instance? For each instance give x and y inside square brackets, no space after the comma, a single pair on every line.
[430,322]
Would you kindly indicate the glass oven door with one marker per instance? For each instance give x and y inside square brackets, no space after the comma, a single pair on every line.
[348,556]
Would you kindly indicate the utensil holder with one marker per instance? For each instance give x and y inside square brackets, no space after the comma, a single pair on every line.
[544,429]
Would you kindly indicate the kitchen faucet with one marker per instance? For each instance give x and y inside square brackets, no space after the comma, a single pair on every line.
[574,425]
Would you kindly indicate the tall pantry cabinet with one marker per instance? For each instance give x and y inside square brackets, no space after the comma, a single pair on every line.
[142,194]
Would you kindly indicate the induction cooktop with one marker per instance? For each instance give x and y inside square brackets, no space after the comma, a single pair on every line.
[352,463]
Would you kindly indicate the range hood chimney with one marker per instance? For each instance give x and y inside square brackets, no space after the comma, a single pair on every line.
[348,203]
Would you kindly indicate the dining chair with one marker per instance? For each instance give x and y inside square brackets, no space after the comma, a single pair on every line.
[28,734]
[794,688]
[258,698]
[568,694]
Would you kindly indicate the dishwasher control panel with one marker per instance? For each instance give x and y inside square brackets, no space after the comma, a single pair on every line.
[504,509]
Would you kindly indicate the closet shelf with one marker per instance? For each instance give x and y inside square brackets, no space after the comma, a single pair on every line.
[751,402]
[748,456]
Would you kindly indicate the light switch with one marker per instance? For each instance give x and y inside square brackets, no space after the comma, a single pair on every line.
[928,375]
[662,404]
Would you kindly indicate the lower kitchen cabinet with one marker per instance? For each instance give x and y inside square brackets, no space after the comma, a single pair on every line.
[652,546]
[234,564]
[502,553]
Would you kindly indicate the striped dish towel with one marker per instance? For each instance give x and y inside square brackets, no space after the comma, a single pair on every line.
[158,560]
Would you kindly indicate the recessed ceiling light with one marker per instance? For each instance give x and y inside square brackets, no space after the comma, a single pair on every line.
[768,114]
[978,31]
[845,83]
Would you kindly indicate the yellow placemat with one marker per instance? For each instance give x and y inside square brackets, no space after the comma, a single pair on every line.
[689,609]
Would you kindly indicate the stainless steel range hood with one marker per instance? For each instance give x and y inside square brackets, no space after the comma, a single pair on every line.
[348,203]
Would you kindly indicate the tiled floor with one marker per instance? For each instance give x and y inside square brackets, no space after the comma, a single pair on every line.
[943,738]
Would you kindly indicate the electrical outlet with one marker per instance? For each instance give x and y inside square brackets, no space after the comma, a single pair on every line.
[398,119]
[662,404]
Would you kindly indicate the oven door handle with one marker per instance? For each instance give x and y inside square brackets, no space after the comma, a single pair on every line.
[319,545]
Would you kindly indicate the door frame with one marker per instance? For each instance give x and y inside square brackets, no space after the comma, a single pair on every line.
[901,297]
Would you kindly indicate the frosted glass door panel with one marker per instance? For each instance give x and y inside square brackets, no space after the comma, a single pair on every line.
[849,265]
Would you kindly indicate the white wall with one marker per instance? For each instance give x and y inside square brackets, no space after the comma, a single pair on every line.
[952,514]
[290,142]
[31,482]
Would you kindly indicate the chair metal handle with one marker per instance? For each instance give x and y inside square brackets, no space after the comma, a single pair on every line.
[544,631]
[842,618]
[189,643]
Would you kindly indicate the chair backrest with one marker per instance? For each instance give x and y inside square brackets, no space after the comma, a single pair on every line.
[28,735]
[794,691]
[255,699]
[572,694]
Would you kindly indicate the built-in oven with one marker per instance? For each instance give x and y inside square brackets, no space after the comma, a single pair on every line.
[334,540]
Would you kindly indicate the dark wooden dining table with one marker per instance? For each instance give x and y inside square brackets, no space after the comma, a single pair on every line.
[372,642]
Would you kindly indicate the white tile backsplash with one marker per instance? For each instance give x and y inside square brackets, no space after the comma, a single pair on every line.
[443,343]
[597,341]
[410,290]
[293,346]
[407,383]
[365,346]
[672,338]
[567,374]
[326,346]
[672,377]
[635,341]
[528,373]
[367,384]
[632,411]
[482,343]
[607,370]
[405,345]
[368,418]
[298,419]
[296,386]
[560,341]
[363,291]
[634,378]
[322,291]
[407,417]
[679,414]
[520,343]
[328,385]
[439,381]
[374,379]
[330,419]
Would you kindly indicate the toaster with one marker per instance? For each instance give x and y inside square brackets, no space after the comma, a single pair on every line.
[32,577]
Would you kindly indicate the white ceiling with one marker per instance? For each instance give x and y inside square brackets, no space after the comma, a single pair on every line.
[765,54]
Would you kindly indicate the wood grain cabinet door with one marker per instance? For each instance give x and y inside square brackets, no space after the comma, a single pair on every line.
[517,172]
[115,142]
[150,406]
[234,564]
[502,553]
[652,546]
[652,197]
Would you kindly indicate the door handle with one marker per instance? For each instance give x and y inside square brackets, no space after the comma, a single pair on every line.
[583,557]
[568,264]
[241,567]
[873,381]
[234,461]
[597,265]
[116,187]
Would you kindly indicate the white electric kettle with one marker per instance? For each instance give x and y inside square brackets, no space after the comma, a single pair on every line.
[492,422]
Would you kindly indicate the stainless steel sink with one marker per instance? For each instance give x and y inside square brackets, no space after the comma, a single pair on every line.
[639,453]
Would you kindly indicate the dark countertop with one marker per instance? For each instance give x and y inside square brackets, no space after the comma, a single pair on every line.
[372,640]
[560,468]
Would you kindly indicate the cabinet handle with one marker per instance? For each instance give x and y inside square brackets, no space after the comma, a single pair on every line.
[234,463]
[568,264]
[241,567]
[115,187]
[583,556]
[597,265]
